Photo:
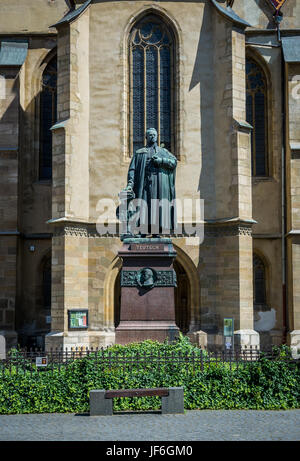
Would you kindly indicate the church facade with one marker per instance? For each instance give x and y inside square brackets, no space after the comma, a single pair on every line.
[80,82]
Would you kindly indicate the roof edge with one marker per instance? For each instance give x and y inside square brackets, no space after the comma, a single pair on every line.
[72,14]
[229,14]
[13,52]
[291,49]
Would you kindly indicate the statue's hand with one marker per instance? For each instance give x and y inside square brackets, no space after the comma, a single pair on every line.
[126,193]
[157,160]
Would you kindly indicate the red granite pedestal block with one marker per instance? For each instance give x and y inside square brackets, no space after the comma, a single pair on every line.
[147,291]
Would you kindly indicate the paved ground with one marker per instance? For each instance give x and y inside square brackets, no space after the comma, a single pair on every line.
[193,425]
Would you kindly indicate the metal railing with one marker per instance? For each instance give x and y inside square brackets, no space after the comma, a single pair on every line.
[31,360]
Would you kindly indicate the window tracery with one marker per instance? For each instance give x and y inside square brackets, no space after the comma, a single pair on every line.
[256,115]
[48,106]
[151,59]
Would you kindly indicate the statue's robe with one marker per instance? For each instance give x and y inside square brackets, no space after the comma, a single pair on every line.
[150,182]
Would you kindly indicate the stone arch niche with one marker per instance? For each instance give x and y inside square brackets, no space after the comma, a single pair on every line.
[187,294]
[182,298]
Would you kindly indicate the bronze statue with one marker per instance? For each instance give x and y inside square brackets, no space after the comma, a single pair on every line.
[151,182]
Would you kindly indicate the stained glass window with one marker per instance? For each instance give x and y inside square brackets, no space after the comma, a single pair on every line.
[259,281]
[256,114]
[48,98]
[151,82]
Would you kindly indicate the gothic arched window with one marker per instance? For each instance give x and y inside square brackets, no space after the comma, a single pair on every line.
[48,103]
[259,281]
[151,59]
[256,114]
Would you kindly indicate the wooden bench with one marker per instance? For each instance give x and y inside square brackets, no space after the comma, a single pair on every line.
[171,399]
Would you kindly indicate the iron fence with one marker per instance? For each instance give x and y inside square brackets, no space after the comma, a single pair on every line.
[35,360]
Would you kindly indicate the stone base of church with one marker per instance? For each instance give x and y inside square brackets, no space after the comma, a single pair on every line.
[10,337]
[79,339]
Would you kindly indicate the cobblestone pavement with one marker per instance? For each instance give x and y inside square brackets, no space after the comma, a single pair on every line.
[206,425]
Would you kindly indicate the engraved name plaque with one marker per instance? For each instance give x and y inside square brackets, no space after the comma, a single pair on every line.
[145,247]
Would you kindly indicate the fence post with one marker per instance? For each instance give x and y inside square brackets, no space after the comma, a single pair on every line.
[2,347]
[124,363]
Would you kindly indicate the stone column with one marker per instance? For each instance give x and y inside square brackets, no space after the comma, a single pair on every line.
[232,223]
[69,285]
[70,192]
[293,206]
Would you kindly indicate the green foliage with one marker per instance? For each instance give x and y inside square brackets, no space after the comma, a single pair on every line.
[264,384]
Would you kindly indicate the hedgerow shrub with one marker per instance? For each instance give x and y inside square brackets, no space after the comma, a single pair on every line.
[264,384]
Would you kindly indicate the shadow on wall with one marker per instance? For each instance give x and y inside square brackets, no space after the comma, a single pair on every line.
[8,197]
[203,75]
[20,201]
[266,9]
[9,136]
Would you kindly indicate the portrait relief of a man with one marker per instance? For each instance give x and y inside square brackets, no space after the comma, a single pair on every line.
[146,277]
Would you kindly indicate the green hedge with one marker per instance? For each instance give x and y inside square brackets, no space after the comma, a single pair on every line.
[264,384]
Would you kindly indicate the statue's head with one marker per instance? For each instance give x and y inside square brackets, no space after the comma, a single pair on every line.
[151,135]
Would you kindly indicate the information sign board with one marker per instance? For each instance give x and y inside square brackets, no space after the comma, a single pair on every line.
[78,319]
[41,361]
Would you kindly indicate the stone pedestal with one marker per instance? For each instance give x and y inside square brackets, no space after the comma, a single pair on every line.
[199,338]
[294,337]
[9,339]
[245,339]
[147,291]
